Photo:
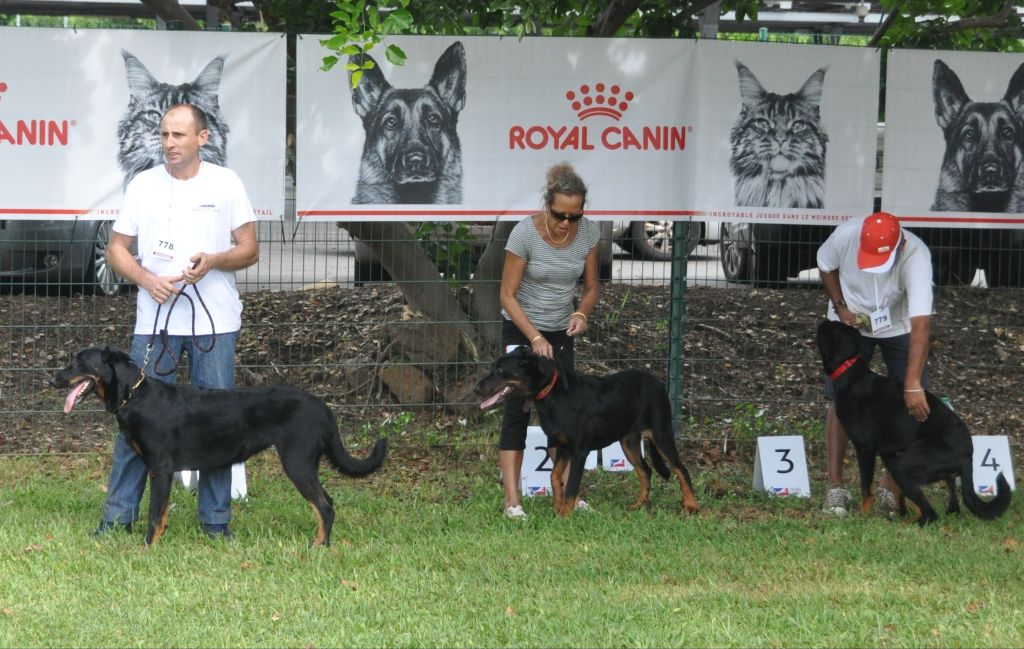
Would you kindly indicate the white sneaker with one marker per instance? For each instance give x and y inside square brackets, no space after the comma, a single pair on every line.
[582,506]
[515,512]
[837,500]
[886,500]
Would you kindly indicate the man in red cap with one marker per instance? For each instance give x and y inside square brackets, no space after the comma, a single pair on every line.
[878,278]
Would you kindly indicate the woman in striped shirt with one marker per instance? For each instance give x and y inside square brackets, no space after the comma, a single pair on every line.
[545,255]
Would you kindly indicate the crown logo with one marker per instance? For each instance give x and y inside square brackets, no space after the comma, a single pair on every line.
[609,101]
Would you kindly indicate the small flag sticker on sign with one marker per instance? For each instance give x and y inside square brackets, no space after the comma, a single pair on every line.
[537,491]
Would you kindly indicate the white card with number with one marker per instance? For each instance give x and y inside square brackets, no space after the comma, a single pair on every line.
[535,479]
[991,457]
[780,466]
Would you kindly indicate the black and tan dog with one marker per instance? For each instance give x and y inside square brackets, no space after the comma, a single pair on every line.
[178,427]
[581,413]
[872,410]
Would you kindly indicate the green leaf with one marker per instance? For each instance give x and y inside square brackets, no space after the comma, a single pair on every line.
[395,55]
[352,67]
[356,76]
[398,20]
[329,62]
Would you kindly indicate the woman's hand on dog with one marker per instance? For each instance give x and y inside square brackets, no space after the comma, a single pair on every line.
[542,347]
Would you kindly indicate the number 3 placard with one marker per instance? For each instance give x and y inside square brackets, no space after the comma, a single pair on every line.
[780,466]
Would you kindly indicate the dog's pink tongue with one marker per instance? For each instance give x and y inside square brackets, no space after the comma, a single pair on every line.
[69,403]
[493,400]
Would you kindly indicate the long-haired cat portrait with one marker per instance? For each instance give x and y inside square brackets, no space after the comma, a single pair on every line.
[138,132]
[778,145]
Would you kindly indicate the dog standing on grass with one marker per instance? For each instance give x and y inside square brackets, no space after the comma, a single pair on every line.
[871,409]
[581,413]
[179,427]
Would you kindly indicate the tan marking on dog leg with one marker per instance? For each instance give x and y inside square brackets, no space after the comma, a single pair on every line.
[321,533]
[866,503]
[558,482]
[690,503]
[644,499]
[161,526]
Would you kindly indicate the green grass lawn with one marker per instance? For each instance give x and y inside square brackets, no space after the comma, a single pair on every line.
[422,557]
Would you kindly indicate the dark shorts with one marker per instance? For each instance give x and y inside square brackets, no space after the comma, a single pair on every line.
[895,352]
[515,419]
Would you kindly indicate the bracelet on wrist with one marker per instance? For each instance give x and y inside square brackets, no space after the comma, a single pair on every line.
[917,390]
[838,303]
[536,338]
[580,314]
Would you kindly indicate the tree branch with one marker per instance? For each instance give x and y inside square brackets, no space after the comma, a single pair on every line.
[614,16]
[999,19]
[884,26]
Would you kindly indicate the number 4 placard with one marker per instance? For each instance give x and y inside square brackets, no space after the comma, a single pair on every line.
[991,457]
[780,466]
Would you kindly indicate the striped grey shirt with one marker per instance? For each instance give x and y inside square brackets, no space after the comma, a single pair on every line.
[548,286]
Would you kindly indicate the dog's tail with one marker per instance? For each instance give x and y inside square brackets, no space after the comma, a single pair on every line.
[983,509]
[658,462]
[355,467]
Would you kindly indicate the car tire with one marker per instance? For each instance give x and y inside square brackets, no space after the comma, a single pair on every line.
[651,240]
[101,277]
[735,251]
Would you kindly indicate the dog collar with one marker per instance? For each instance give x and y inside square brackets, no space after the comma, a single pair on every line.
[131,391]
[543,393]
[847,364]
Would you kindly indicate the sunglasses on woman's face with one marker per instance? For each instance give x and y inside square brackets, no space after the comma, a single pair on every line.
[562,216]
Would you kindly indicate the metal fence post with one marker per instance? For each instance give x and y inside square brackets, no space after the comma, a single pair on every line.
[677,318]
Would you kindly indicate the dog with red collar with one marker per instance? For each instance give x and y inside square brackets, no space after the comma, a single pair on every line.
[916,453]
[582,413]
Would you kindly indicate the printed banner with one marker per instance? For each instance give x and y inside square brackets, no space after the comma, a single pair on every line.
[787,133]
[663,129]
[80,113]
[954,138]
[467,128]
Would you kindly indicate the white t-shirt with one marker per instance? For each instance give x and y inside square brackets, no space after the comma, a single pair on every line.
[174,219]
[906,289]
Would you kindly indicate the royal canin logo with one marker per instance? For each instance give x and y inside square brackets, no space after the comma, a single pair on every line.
[598,100]
[33,132]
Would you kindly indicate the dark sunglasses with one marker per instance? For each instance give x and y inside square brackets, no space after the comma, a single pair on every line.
[562,216]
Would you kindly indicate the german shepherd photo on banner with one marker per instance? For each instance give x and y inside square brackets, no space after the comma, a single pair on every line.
[983,165]
[412,152]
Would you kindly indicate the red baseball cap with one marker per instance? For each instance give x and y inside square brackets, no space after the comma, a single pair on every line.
[880,238]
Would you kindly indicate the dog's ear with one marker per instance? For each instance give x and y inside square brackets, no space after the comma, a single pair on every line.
[449,78]
[371,87]
[1015,92]
[948,92]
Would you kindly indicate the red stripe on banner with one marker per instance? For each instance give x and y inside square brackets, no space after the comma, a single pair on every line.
[960,219]
[21,210]
[491,213]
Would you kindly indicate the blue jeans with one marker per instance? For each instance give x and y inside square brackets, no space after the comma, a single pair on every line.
[213,369]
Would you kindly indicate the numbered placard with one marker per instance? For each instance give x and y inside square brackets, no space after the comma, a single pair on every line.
[991,457]
[239,487]
[535,479]
[780,466]
[614,459]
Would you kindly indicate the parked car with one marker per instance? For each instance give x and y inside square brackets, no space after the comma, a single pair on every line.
[652,240]
[47,255]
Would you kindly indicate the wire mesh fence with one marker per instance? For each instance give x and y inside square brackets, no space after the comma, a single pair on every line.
[318,316]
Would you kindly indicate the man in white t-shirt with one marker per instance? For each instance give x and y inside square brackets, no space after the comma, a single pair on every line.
[878,278]
[193,225]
